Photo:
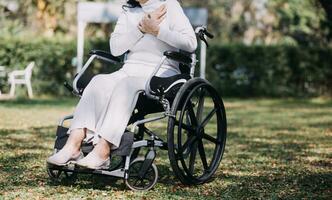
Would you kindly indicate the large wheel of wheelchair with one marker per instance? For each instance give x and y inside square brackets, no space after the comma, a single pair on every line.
[137,183]
[197,132]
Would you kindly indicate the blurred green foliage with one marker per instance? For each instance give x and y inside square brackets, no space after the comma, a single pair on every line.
[290,53]
[235,70]
[280,70]
[267,21]
[52,57]
[302,22]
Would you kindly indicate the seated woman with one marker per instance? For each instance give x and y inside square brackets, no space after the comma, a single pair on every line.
[146,28]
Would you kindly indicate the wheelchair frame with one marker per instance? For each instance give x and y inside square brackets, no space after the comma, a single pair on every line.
[154,141]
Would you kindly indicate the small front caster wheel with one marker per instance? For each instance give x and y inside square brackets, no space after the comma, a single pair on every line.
[134,182]
[54,174]
[70,175]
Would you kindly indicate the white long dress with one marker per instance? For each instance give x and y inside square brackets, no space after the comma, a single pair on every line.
[109,99]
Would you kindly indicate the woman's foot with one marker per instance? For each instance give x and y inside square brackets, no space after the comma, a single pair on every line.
[71,151]
[98,158]
[93,161]
[64,157]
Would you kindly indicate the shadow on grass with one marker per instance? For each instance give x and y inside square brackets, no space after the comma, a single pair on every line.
[285,148]
[15,167]
[288,178]
[88,181]
[21,153]
[26,168]
[321,125]
[271,165]
[104,182]
[279,185]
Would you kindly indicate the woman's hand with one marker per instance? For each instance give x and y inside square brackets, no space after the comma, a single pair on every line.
[150,22]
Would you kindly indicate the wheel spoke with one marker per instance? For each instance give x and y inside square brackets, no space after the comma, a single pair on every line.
[188,143]
[185,126]
[136,181]
[134,175]
[192,158]
[150,175]
[201,151]
[210,138]
[187,118]
[208,117]
[192,114]
[142,183]
[200,107]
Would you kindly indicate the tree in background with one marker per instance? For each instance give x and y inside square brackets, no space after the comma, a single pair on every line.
[267,21]
[327,5]
[42,17]
[297,22]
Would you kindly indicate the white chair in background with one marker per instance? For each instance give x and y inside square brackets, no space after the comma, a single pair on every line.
[21,77]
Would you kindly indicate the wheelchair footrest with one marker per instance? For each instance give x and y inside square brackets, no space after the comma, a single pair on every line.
[124,149]
[71,168]
[126,144]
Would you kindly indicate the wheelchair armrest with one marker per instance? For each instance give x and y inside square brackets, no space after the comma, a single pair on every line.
[103,55]
[173,55]
[178,57]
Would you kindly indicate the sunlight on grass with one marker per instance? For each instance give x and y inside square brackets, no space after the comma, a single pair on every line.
[276,148]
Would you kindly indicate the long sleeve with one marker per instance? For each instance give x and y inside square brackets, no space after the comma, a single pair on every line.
[125,35]
[179,33]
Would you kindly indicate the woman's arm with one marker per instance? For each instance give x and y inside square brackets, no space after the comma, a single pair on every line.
[125,35]
[182,35]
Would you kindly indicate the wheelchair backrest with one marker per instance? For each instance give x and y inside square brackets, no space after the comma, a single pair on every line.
[185,69]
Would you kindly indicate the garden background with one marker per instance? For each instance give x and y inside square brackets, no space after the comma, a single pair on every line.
[262,48]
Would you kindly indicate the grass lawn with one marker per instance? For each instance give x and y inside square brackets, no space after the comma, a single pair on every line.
[276,148]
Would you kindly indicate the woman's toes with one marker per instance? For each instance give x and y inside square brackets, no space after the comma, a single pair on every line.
[64,156]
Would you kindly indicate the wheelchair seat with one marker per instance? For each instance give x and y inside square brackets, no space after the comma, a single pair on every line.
[168,86]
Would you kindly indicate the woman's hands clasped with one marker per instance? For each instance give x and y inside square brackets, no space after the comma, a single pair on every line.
[151,21]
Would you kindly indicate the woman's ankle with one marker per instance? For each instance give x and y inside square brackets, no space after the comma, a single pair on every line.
[74,150]
[75,139]
[78,134]
[103,149]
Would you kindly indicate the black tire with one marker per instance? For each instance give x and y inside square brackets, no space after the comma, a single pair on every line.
[188,134]
[141,184]
[54,174]
[71,175]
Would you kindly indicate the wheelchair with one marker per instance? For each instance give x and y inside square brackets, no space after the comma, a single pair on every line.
[190,104]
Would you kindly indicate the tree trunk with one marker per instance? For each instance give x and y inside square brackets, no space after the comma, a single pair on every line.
[327,5]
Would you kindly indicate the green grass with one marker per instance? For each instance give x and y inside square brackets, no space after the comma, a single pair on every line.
[276,148]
